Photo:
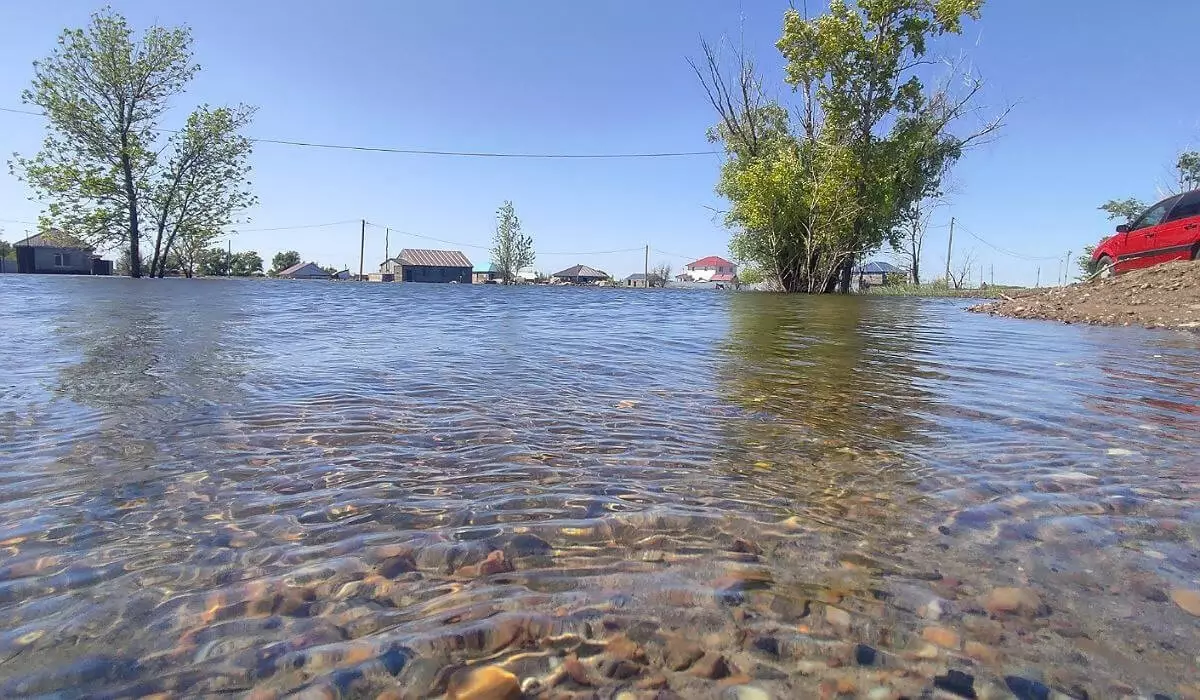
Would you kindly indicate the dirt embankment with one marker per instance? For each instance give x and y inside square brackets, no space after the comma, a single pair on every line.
[1166,296]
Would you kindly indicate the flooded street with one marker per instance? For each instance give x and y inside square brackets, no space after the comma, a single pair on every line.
[343,490]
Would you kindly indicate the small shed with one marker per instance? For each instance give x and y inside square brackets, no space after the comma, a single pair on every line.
[580,274]
[423,265]
[876,273]
[637,279]
[482,274]
[305,271]
[54,252]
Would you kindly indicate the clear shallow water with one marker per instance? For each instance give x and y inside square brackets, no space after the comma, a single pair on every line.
[232,486]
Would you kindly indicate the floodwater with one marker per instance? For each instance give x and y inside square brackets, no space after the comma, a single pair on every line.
[342,490]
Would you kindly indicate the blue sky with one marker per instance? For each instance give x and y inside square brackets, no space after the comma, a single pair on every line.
[1099,114]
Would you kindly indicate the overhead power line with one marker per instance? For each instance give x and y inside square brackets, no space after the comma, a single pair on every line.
[1006,251]
[293,228]
[451,153]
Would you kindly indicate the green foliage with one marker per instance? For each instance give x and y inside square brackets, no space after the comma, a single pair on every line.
[511,249]
[811,191]
[6,250]
[1084,263]
[749,274]
[283,260]
[218,262]
[203,185]
[1187,168]
[245,264]
[1123,210]
[104,169]
[213,262]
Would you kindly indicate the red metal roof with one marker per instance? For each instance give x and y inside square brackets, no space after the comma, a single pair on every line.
[710,261]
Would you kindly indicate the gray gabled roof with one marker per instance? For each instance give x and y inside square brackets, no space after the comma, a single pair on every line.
[419,257]
[582,271]
[52,238]
[636,277]
[876,268]
[303,267]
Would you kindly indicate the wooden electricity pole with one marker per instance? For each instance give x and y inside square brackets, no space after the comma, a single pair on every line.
[949,250]
[362,249]
[646,267]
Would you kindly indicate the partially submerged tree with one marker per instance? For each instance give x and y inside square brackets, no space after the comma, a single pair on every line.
[245,264]
[813,190]
[203,185]
[103,93]
[660,275]
[512,250]
[283,260]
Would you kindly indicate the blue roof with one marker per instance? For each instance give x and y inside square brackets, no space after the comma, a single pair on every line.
[877,267]
[485,268]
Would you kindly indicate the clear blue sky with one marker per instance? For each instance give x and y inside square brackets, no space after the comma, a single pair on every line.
[1100,113]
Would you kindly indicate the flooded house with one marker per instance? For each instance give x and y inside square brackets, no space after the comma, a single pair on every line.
[711,269]
[877,273]
[580,274]
[53,252]
[305,271]
[423,265]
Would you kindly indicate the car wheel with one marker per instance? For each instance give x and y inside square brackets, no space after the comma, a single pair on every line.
[1105,268]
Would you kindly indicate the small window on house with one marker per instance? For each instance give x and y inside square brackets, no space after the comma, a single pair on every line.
[62,259]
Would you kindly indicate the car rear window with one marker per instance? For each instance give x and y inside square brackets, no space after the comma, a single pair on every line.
[1188,206]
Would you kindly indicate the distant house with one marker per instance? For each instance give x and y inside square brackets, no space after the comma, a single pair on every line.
[710,269]
[482,274]
[419,265]
[637,279]
[305,271]
[53,252]
[580,274]
[875,274]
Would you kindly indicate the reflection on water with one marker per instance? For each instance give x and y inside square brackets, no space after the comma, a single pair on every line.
[233,486]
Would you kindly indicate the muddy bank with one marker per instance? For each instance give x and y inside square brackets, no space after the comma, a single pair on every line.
[1166,296]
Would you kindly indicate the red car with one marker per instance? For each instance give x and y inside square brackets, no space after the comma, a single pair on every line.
[1169,230]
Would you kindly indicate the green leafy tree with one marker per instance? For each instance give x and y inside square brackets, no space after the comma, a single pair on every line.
[1187,170]
[245,264]
[103,94]
[6,250]
[1123,210]
[1084,262]
[203,185]
[512,250]
[330,269]
[814,188]
[213,262]
[283,260]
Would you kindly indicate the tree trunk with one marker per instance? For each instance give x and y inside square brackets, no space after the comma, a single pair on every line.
[135,257]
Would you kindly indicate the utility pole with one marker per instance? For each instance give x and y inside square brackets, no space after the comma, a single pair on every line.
[949,250]
[387,234]
[646,269]
[362,250]
[1038,283]
[993,271]
[1067,268]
